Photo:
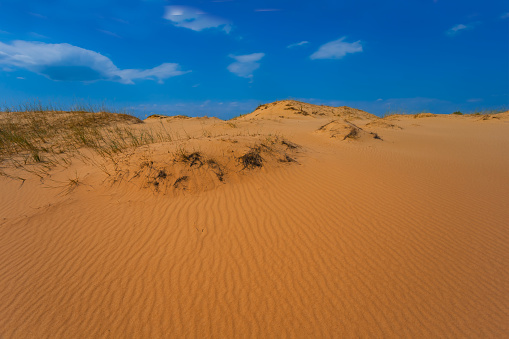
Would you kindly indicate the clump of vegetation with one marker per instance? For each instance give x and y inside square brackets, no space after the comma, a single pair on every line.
[192,159]
[289,144]
[216,168]
[239,116]
[72,184]
[353,134]
[457,113]
[303,113]
[424,115]
[195,159]
[490,111]
[161,174]
[252,159]
[180,181]
[44,135]
[287,158]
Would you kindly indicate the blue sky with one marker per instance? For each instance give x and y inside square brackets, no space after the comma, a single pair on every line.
[225,57]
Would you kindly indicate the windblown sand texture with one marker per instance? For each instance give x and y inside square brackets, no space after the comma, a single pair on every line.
[400,229]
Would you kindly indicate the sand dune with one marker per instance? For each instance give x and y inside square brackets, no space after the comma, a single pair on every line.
[405,235]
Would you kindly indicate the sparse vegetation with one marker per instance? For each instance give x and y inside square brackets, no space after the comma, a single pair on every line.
[162,174]
[457,113]
[489,111]
[239,116]
[180,180]
[287,158]
[251,159]
[50,138]
[353,134]
[36,141]
[289,144]
[192,159]
[216,168]
[290,107]
[72,184]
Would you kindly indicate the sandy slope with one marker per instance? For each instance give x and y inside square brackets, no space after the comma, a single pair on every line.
[401,237]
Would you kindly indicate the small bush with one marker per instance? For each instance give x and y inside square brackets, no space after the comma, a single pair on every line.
[180,181]
[457,113]
[193,159]
[251,159]
[354,134]
[161,175]
[287,158]
[289,144]
[216,168]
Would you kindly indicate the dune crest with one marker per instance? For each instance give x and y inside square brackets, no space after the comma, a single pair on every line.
[292,109]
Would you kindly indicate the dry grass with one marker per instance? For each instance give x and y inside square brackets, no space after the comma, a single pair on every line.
[251,159]
[34,142]
[50,138]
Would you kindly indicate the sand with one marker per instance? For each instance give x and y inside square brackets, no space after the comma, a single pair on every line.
[405,235]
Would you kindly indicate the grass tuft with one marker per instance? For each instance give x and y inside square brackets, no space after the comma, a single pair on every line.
[251,159]
[180,181]
[353,134]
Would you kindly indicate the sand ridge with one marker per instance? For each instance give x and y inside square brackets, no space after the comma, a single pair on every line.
[402,236]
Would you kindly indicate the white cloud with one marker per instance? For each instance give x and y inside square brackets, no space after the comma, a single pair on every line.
[195,19]
[337,49]
[245,65]
[38,15]
[38,36]
[505,15]
[475,100]
[457,28]
[66,62]
[267,10]
[297,44]
[109,33]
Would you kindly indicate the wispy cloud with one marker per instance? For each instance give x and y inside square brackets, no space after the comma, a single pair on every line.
[267,10]
[37,15]
[245,65]
[458,28]
[195,19]
[337,49]
[66,62]
[505,15]
[475,100]
[109,33]
[297,44]
[38,36]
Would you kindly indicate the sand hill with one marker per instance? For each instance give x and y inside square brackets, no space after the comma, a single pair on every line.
[288,109]
[295,220]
